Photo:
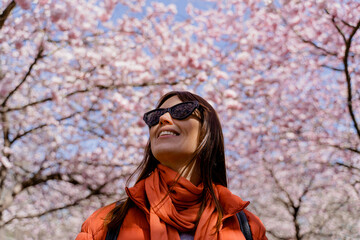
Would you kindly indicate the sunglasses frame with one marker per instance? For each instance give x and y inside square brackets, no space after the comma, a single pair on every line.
[169,110]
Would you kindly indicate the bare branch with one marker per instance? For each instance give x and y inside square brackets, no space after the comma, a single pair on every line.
[317,228]
[48,211]
[93,192]
[6,142]
[277,182]
[103,87]
[348,77]
[332,68]
[6,13]
[315,45]
[347,24]
[42,126]
[349,166]
[37,58]
[319,234]
[291,206]
[112,165]
[338,29]
[344,148]
[35,180]
[346,68]
[277,236]
[309,41]
[116,86]
[28,105]
[38,179]
[27,132]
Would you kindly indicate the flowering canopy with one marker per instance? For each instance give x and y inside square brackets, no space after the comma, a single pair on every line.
[76,76]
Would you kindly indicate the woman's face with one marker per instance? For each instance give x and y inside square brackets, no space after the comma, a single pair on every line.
[173,142]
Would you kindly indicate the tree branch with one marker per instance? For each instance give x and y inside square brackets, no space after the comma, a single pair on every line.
[102,87]
[332,68]
[317,228]
[6,13]
[28,105]
[349,166]
[277,236]
[347,24]
[277,182]
[344,148]
[348,77]
[50,210]
[6,143]
[37,58]
[346,68]
[291,206]
[308,41]
[315,45]
[93,192]
[41,126]
[38,179]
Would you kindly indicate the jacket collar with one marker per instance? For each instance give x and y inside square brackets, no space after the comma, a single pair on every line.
[230,203]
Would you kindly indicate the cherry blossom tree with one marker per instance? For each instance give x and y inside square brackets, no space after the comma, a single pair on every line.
[76,76]
[296,102]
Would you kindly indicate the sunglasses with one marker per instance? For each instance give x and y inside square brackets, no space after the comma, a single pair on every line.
[179,111]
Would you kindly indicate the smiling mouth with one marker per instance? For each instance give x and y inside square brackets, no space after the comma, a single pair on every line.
[168,133]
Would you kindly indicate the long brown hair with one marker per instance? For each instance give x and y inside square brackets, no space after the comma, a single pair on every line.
[209,155]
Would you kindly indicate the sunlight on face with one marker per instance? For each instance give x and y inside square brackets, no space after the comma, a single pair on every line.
[177,146]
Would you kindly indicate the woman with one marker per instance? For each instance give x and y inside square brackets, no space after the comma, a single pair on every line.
[181,192]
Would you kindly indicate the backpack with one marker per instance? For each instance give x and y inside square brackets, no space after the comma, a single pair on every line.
[112,234]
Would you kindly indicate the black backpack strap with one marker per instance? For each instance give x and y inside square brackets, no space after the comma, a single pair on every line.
[112,234]
[244,225]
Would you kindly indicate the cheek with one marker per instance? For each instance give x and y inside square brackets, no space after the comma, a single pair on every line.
[152,132]
[151,137]
[195,133]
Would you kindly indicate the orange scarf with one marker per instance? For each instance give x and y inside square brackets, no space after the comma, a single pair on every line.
[177,210]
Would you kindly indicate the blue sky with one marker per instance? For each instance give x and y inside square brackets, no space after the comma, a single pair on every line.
[180,5]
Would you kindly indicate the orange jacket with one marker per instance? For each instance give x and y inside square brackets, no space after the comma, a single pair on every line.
[136,226]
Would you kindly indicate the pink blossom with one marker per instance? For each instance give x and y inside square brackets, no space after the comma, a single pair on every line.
[81,77]
[43,2]
[229,93]
[5,162]
[202,76]
[104,16]
[18,44]
[24,4]
[109,5]
[57,13]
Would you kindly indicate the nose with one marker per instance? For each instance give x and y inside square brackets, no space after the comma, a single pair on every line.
[166,118]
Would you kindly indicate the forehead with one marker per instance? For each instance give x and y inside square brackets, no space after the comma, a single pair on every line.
[171,102]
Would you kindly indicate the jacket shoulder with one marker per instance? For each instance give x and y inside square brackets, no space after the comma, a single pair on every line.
[93,228]
[257,227]
[135,226]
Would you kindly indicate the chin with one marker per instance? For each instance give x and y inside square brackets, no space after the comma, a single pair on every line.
[170,158]
[166,156]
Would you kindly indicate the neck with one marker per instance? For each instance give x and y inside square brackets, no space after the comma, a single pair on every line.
[192,173]
[189,171]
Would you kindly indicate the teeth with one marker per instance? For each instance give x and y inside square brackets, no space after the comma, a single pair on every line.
[167,133]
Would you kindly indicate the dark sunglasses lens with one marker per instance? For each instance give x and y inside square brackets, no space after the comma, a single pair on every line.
[152,118]
[182,110]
